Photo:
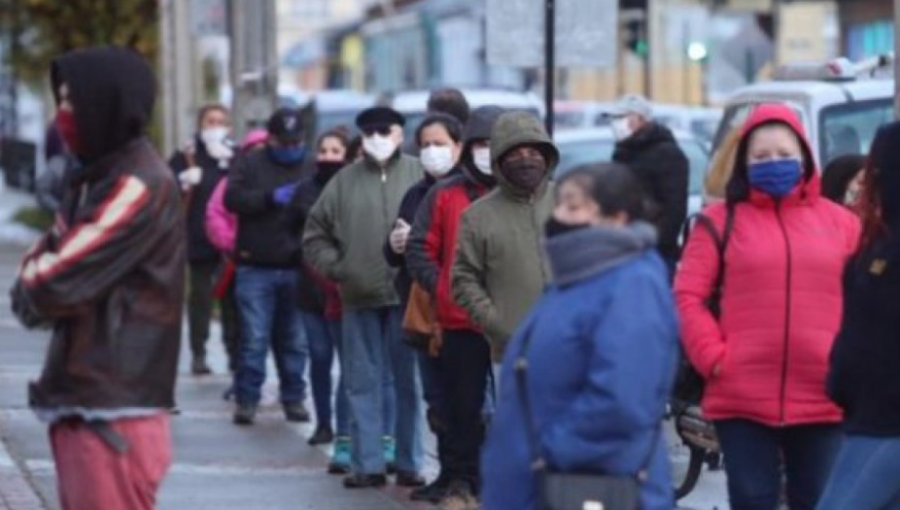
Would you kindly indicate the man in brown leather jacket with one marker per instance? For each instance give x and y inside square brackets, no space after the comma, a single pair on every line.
[109,279]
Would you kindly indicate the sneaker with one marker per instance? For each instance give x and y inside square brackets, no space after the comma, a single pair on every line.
[340,457]
[296,413]
[434,492]
[322,435]
[358,481]
[199,366]
[409,479]
[245,414]
[390,453]
[459,497]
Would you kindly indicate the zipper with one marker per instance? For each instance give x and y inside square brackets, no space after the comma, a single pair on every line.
[387,218]
[787,314]
[383,175]
[536,225]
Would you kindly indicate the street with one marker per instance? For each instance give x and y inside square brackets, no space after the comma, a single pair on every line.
[217,465]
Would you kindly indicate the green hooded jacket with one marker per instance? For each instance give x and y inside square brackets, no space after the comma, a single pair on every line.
[499,271]
[347,227]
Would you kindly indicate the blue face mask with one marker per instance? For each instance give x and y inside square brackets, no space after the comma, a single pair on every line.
[288,155]
[775,178]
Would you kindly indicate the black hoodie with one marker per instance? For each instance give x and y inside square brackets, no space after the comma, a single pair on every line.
[863,376]
[656,159]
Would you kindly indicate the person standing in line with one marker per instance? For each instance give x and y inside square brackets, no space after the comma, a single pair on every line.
[108,279]
[200,167]
[260,187]
[601,348]
[459,381]
[843,178]
[650,150]
[498,271]
[450,101]
[320,306]
[765,355]
[438,139]
[343,240]
[862,379]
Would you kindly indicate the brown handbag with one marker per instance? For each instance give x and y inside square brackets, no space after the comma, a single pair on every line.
[419,322]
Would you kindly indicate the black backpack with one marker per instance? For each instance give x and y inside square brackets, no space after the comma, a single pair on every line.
[689,383]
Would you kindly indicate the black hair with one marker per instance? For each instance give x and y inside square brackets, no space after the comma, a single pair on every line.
[206,109]
[342,134]
[612,185]
[453,127]
[450,101]
[839,173]
[354,148]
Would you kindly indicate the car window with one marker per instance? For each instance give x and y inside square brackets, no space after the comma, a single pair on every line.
[849,128]
[564,120]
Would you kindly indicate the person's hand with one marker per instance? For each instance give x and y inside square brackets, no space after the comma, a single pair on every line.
[190,177]
[399,236]
[283,194]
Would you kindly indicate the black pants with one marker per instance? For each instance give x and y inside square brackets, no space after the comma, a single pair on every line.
[203,277]
[465,361]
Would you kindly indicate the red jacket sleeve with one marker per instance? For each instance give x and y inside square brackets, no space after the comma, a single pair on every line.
[423,254]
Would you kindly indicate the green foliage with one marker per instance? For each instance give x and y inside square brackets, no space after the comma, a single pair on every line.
[34,217]
[48,28]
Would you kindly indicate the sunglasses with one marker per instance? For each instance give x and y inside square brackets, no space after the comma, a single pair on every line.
[381,130]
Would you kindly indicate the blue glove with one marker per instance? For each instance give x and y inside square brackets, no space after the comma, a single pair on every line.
[283,194]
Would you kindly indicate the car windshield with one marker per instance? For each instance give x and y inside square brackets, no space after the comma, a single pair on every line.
[573,154]
[849,128]
[569,120]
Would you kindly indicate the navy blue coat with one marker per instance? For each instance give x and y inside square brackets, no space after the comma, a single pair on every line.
[602,361]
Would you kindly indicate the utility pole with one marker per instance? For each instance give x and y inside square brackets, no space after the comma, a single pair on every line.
[550,62]
[254,65]
[896,55]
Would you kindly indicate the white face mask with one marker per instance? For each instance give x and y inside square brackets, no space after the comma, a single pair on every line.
[379,147]
[482,159]
[437,160]
[621,129]
[214,135]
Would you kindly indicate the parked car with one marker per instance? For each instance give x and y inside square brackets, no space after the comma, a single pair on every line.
[330,108]
[580,114]
[702,122]
[578,147]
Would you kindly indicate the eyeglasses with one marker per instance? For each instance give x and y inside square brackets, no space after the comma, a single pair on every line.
[381,130]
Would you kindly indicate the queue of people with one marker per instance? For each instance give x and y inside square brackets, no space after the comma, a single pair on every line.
[534,319]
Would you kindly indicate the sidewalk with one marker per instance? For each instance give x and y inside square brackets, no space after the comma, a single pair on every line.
[11,201]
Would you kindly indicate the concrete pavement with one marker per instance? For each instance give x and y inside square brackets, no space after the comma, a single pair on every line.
[217,465]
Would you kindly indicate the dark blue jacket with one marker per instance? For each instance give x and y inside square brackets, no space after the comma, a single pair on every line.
[601,365]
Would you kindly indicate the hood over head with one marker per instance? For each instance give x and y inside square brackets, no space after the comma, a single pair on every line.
[479,126]
[515,129]
[738,189]
[112,91]
[885,160]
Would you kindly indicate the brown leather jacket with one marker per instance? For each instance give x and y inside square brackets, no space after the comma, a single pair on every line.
[110,280]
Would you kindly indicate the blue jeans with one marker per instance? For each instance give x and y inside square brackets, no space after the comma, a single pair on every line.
[757,457]
[373,348]
[324,338]
[269,317]
[865,476]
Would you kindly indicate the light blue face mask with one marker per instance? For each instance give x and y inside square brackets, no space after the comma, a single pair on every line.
[776,178]
[288,155]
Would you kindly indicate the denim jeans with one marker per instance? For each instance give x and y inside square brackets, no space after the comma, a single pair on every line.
[865,476]
[269,317]
[373,348]
[324,339]
[758,457]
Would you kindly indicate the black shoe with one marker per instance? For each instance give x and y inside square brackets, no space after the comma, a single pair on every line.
[245,414]
[199,366]
[409,479]
[434,492]
[322,435]
[336,468]
[296,413]
[365,481]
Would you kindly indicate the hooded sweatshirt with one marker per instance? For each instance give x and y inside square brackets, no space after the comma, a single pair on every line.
[599,374]
[200,248]
[781,301]
[863,374]
[499,270]
[109,276]
[432,242]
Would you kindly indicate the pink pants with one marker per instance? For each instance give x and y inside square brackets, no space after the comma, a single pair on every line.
[93,476]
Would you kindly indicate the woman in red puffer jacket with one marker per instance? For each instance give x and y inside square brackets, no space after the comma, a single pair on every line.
[765,358]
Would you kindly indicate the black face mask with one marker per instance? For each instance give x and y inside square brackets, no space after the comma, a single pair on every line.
[554,227]
[327,170]
[525,174]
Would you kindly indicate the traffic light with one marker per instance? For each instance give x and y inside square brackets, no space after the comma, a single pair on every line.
[697,52]
[635,38]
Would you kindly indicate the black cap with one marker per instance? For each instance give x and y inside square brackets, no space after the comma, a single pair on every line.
[379,116]
[286,125]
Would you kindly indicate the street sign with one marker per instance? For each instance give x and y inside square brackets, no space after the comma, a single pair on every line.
[586,33]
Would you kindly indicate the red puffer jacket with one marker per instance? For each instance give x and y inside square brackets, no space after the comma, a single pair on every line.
[781,303]
[432,245]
